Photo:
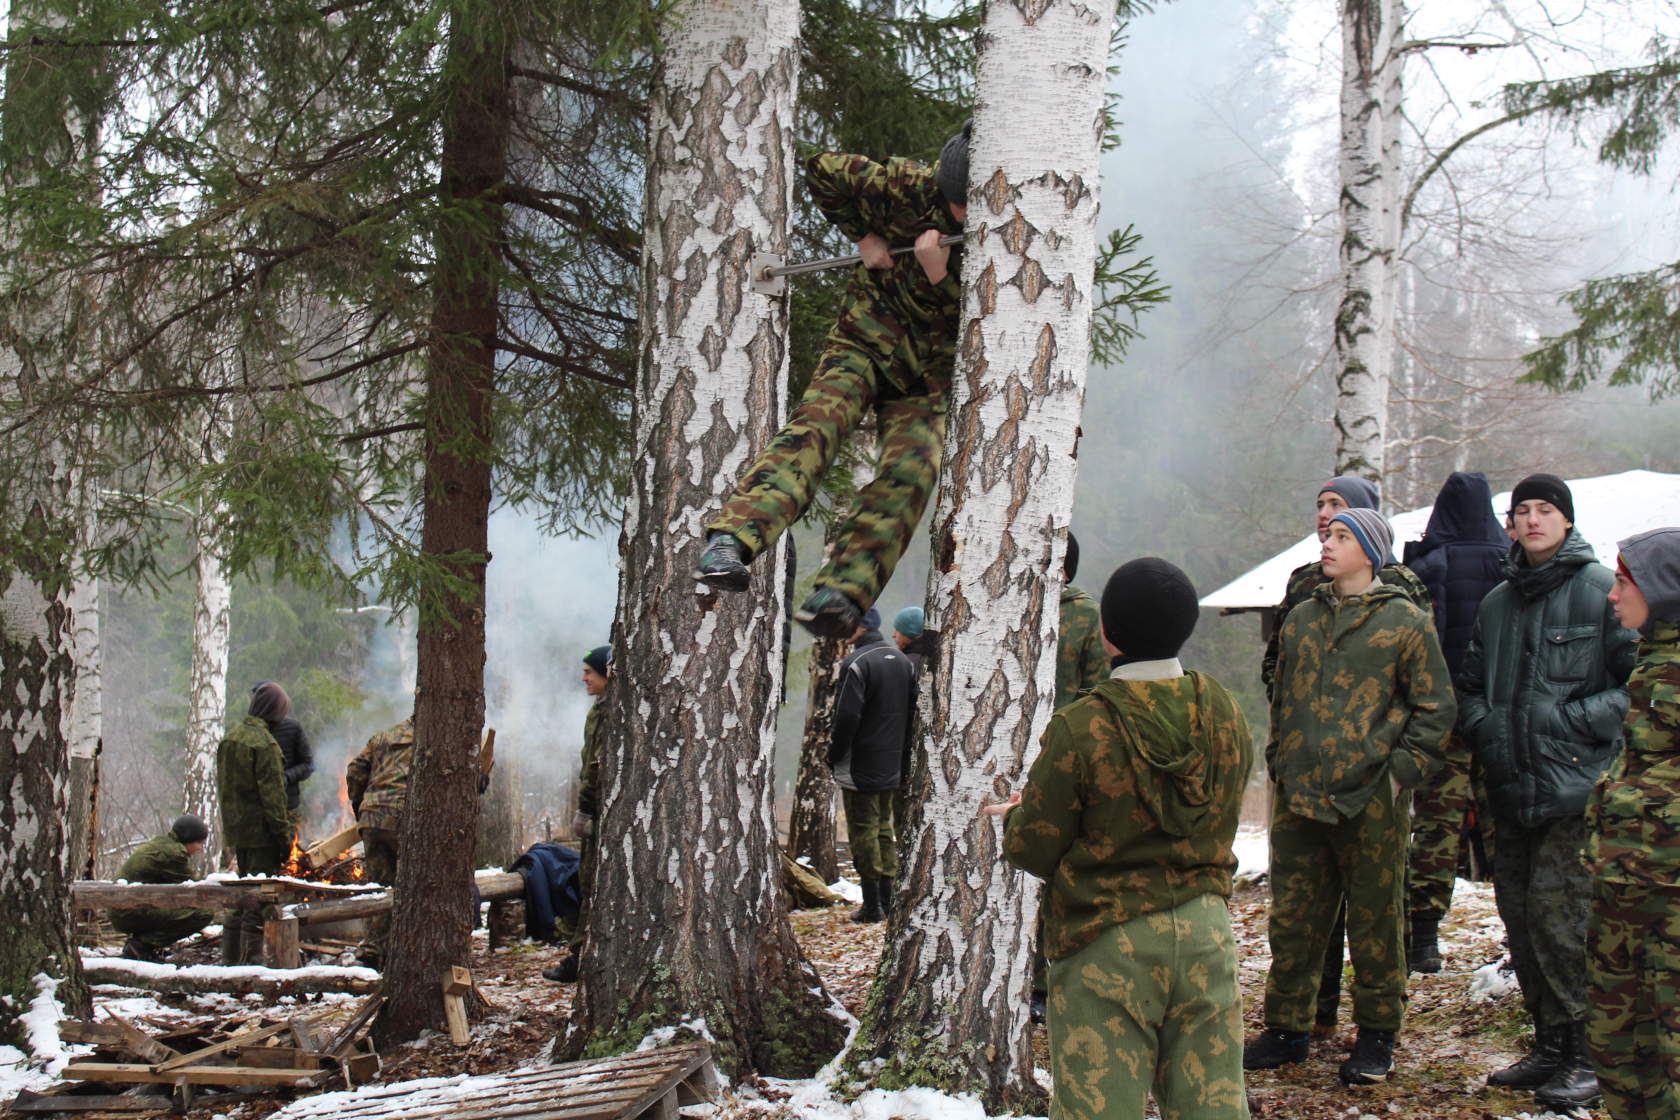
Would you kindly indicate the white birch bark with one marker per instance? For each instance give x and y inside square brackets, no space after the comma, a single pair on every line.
[950,1001]
[87,722]
[207,688]
[1370,216]
[697,927]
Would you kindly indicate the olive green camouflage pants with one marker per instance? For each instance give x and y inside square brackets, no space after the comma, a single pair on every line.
[379,860]
[1543,893]
[1633,1027]
[1438,811]
[775,490]
[242,929]
[869,831]
[1150,1006]
[160,927]
[1313,865]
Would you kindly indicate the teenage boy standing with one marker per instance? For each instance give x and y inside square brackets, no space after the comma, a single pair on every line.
[1360,715]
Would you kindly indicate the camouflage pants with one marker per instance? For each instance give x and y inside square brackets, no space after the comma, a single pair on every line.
[1438,809]
[1150,1006]
[1313,866]
[242,929]
[379,859]
[160,927]
[869,831]
[1633,1029]
[1543,894]
[777,488]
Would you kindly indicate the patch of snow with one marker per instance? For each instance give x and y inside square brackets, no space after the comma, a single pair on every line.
[847,890]
[1253,850]
[1494,980]
[665,1036]
[150,970]
[40,1025]
[812,1100]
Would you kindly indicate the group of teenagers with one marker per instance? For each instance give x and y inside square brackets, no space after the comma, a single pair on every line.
[1557,685]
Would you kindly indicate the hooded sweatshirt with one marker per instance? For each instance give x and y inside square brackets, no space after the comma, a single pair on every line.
[1132,804]
[1633,815]
[1459,558]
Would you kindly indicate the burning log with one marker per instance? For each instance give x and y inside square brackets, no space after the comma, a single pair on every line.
[317,856]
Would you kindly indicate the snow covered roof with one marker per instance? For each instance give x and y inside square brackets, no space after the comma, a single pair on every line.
[1608,508]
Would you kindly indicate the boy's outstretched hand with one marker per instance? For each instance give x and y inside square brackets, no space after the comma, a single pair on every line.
[1001,807]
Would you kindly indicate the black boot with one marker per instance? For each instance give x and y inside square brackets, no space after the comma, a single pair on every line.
[1272,1048]
[1575,1084]
[137,950]
[724,564]
[1423,953]
[829,614]
[231,938]
[566,972]
[1371,1060]
[1538,1065]
[884,896]
[870,911]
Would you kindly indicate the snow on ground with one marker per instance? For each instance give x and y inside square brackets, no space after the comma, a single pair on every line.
[148,970]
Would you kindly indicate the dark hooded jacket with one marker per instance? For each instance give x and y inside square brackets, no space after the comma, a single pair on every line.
[872,716]
[1541,689]
[1460,559]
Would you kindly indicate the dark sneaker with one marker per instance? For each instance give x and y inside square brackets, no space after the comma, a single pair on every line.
[566,972]
[137,950]
[724,564]
[1272,1048]
[1371,1060]
[829,614]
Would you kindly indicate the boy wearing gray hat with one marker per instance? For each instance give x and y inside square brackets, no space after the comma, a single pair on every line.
[1361,711]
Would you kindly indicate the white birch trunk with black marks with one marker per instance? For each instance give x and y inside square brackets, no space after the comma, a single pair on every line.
[697,931]
[1370,218]
[87,721]
[207,686]
[949,1006]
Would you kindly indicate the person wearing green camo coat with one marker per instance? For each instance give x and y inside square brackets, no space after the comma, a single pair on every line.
[892,350]
[1128,814]
[251,786]
[1633,852]
[377,783]
[165,858]
[1361,714]
[597,664]
[1347,491]
[1081,662]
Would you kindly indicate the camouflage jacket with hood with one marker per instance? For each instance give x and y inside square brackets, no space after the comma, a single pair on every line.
[1132,804]
[904,321]
[1081,661]
[1306,579]
[251,785]
[1633,816]
[1362,696]
[377,779]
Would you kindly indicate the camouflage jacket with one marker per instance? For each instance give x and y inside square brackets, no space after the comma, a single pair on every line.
[897,315]
[1305,579]
[1132,804]
[1633,816]
[1081,661]
[162,859]
[589,779]
[377,779]
[251,784]
[1363,695]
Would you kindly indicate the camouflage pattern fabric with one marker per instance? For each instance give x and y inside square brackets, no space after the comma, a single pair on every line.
[162,859]
[1543,892]
[1438,839]
[1633,824]
[243,928]
[1303,581]
[379,860]
[589,774]
[1362,698]
[1132,804]
[377,779]
[1633,1029]
[251,785]
[869,832]
[1150,1006]
[892,347]
[1314,865]
[1081,661]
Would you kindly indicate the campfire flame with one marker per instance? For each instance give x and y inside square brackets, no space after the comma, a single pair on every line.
[294,865]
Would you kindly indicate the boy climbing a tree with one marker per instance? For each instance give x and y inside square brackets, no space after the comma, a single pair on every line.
[892,348]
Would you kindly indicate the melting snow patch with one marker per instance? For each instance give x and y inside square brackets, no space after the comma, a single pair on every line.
[847,890]
[665,1036]
[1494,980]
[812,1101]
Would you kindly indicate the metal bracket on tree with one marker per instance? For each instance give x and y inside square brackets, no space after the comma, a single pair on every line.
[769,274]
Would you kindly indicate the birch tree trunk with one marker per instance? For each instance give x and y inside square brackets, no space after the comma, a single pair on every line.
[87,724]
[949,1006]
[697,937]
[1370,212]
[207,687]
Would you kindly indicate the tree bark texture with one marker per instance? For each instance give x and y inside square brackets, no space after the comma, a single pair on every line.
[697,935]
[811,829]
[87,723]
[1370,215]
[949,1006]
[207,688]
[433,913]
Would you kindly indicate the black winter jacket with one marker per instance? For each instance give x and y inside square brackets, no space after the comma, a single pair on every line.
[1541,692]
[872,716]
[1460,559]
[299,756]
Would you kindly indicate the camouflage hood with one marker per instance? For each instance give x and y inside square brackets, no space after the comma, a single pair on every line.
[1170,746]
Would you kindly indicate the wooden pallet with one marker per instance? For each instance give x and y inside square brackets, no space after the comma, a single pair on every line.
[650,1083]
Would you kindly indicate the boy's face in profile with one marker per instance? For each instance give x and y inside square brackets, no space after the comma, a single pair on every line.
[1628,601]
[1341,553]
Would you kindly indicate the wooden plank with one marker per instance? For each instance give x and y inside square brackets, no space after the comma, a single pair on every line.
[455,1014]
[363,1016]
[280,943]
[128,1073]
[276,1057]
[107,970]
[510,1100]
[665,1108]
[699,1087]
[323,852]
[244,1038]
[309,1035]
[27,1101]
[457,981]
[94,894]
[138,1042]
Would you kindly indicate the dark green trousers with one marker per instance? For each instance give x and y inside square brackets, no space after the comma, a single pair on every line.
[160,927]
[242,929]
[379,858]
[869,830]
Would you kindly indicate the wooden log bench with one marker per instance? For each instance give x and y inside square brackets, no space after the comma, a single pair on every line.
[648,1083]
